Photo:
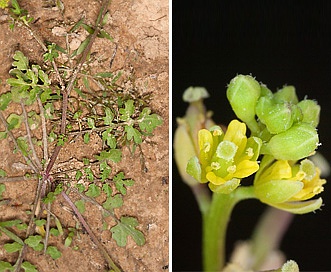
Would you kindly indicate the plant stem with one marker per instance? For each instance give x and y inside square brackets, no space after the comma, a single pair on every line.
[268,234]
[91,234]
[215,221]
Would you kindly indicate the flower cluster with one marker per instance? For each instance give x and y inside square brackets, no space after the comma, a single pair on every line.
[283,135]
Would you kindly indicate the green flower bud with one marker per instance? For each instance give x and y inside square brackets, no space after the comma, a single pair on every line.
[286,94]
[276,117]
[296,143]
[243,93]
[186,135]
[310,111]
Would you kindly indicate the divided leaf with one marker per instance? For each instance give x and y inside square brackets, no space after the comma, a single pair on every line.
[120,183]
[127,227]
[148,122]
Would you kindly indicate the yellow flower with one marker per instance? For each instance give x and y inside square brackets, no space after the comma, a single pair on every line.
[224,159]
[286,185]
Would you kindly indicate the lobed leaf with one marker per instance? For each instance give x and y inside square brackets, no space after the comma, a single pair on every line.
[125,228]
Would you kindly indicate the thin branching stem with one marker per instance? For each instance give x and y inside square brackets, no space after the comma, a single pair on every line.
[28,132]
[91,234]
[44,130]
[66,92]
[16,179]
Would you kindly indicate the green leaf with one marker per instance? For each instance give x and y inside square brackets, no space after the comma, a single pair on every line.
[54,232]
[5,99]
[88,28]
[133,133]
[5,266]
[86,138]
[46,95]
[82,47]
[14,121]
[49,110]
[2,173]
[80,187]
[105,170]
[109,116]
[91,123]
[148,122]
[104,34]
[127,111]
[109,138]
[13,247]
[10,223]
[120,183]
[93,191]
[126,228]
[33,241]
[23,145]
[49,198]
[107,189]
[40,222]
[28,267]
[80,204]
[3,135]
[53,252]
[78,175]
[2,188]
[89,173]
[113,202]
[104,74]
[21,62]
[114,155]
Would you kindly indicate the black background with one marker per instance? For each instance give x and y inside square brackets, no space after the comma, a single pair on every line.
[278,42]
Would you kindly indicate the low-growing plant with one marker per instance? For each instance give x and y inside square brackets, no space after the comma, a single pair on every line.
[55,100]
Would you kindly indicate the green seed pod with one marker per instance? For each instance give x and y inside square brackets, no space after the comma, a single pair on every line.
[296,143]
[276,117]
[286,94]
[243,93]
[310,111]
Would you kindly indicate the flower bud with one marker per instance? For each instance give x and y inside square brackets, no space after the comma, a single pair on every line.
[186,135]
[243,93]
[277,117]
[286,94]
[296,143]
[310,111]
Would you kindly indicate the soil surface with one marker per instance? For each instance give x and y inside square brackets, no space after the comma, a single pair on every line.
[140,29]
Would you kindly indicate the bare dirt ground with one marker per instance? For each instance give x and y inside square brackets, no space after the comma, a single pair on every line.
[140,28]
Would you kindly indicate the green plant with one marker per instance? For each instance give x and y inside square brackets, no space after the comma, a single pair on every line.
[60,111]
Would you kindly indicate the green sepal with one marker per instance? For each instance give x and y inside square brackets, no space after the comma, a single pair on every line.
[226,188]
[193,168]
[300,207]
[277,191]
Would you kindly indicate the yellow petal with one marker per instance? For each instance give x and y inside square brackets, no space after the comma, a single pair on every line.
[246,168]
